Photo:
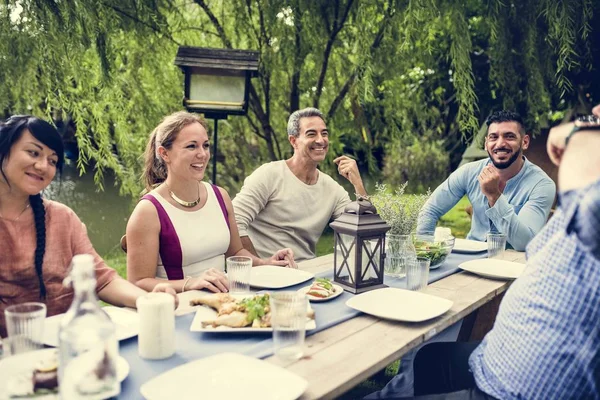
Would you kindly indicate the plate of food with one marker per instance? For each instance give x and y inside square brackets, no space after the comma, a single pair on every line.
[127,324]
[273,277]
[322,289]
[223,312]
[435,249]
[34,375]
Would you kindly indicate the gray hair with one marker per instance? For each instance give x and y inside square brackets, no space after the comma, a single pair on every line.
[293,127]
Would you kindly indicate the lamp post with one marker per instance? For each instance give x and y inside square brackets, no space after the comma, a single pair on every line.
[216,83]
[358,261]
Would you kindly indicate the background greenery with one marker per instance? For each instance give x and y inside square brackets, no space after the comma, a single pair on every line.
[404,83]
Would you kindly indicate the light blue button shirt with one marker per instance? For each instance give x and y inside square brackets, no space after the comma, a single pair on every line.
[545,343]
[520,212]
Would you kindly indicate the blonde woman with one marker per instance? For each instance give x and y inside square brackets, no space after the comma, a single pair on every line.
[182,230]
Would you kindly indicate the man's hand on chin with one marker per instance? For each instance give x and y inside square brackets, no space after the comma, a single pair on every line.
[348,168]
[489,182]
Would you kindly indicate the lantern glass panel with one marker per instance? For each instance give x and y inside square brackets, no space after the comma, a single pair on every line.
[348,265]
[371,258]
[218,92]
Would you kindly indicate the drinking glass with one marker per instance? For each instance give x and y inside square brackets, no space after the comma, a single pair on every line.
[238,273]
[25,327]
[496,245]
[417,273]
[288,319]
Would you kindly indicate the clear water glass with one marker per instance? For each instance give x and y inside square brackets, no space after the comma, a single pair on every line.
[417,273]
[288,319]
[400,249]
[25,327]
[238,273]
[496,245]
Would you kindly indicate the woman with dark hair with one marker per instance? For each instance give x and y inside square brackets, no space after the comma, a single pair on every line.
[39,237]
[183,229]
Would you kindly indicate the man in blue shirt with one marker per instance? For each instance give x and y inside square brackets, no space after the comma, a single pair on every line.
[508,193]
[545,343]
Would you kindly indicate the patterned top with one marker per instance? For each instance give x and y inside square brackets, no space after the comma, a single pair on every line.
[65,237]
[545,343]
[520,212]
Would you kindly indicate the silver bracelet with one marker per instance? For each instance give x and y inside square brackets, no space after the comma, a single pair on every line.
[187,279]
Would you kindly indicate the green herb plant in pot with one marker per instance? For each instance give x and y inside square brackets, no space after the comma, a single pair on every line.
[400,211]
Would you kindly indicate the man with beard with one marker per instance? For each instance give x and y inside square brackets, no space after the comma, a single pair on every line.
[508,193]
[291,201]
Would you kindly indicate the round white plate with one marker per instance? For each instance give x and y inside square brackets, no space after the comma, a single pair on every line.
[467,246]
[127,324]
[338,291]
[273,277]
[493,268]
[24,363]
[225,376]
[400,304]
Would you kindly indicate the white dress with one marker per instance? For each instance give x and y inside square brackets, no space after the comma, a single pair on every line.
[203,235]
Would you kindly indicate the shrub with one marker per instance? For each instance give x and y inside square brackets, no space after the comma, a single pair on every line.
[424,165]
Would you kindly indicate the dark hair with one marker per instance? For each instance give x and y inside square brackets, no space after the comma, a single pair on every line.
[506,116]
[11,131]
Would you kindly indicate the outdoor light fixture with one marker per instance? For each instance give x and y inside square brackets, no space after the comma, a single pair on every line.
[216,83]
[359,248]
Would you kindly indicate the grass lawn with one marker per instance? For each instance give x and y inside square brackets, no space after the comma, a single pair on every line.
[456,219]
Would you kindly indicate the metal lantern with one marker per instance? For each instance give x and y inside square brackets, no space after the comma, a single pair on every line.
[359,247]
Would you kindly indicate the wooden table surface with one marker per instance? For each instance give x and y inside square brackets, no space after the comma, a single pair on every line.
[339,358]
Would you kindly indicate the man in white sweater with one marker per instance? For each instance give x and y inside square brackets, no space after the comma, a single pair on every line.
[288,203]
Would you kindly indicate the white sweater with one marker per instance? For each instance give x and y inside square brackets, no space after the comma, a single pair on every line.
[275,209]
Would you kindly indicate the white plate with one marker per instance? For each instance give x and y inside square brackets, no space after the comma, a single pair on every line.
[338,291]
[272,277]
[24,363]
[493,268]
[225,376]
[205,313]
[127,324]
[469,246]
[400,304]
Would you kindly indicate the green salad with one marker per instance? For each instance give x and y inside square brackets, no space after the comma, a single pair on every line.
[256,306]
[436,251]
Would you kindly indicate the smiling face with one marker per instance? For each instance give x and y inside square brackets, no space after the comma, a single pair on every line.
[189,154]
[30,166]
[313,140]
[505,143]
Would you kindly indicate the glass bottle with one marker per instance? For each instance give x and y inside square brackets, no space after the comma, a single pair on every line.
[88,345]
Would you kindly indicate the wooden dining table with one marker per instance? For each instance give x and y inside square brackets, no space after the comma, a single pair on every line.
[339,358]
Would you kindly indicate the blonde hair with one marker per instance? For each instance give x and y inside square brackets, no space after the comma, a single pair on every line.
[155,170]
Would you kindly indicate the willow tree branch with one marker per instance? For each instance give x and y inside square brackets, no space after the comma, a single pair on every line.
[338,24]
[358,69]
[213,19]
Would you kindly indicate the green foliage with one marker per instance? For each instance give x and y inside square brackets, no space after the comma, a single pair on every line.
[383,71]
[457,219]
[399,210]
[422,165]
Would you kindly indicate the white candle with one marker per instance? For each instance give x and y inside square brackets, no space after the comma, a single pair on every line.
[156,339]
